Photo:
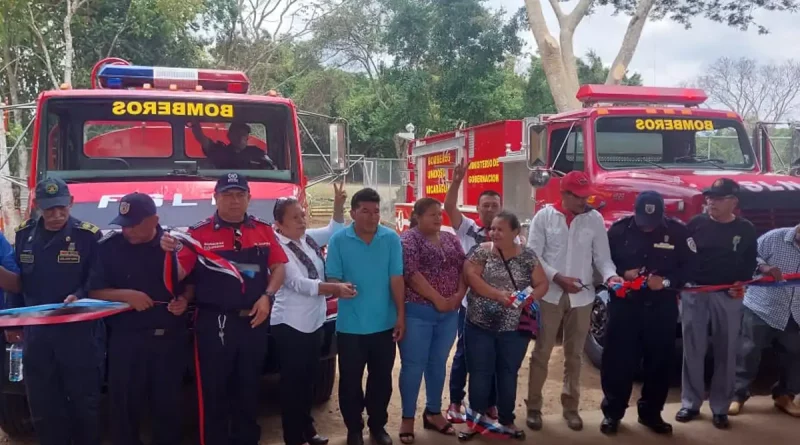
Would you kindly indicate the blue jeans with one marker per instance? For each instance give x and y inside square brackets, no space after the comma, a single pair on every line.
[494,357]
[458,370]
[423,351]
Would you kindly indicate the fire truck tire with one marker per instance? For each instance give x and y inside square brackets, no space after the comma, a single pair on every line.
[15,416]
[323,386]
[594,341]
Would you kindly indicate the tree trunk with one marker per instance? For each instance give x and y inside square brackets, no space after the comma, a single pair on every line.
[563,86]
[69,50]
[8,208]
[629,42]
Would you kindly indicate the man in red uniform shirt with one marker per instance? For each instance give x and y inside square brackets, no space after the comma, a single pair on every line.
[230,333]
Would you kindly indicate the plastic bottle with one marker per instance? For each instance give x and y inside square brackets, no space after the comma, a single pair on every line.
[520,296]
[14,362]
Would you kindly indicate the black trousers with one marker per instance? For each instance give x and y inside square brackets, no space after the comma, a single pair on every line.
[298,355]
[229,371]
[376,352]
[639,332]
[146,369]
[62,367]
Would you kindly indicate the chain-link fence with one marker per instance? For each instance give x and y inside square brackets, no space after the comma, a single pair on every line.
[381,174]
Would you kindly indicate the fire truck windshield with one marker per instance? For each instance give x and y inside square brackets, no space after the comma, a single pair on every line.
[89,139]
[671,141]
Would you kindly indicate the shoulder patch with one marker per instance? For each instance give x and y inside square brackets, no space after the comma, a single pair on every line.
[24,225]
[201,223]
[110,234]
[692,246]
[88,227]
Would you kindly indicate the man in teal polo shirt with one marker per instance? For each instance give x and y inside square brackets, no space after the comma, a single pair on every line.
[369,324]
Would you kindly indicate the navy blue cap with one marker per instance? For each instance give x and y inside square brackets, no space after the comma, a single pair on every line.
[133,209]
[649,209]
[722,187]
[52,192]
[232,180]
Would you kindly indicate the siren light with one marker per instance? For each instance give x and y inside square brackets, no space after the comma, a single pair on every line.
[133,76]
[593,94]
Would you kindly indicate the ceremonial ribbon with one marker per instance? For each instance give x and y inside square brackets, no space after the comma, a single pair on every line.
[792,279]
[210,260]
[484,425]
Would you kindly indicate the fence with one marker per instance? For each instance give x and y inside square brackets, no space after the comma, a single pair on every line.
[381,174]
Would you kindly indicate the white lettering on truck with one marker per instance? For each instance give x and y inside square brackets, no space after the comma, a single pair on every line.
[177,200]
[760,186]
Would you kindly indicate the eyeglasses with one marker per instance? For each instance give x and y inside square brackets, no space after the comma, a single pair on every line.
[237,240]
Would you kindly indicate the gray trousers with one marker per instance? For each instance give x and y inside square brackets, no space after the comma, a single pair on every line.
[756,336]
[724,315]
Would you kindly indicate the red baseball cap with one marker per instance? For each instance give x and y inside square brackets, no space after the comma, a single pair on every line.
[577,183]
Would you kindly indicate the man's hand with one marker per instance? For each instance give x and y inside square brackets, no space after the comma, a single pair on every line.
[399,329]
[737,291]
[772,271]
[139,300]
[569,284]
[459,171]
[168,243]
[70,299]
[654,282]
[631,274]
[260,311]
[616,280]
[178,306]
[344,290]
[339,195]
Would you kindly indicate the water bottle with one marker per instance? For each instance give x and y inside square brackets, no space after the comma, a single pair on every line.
[14,362]
[520,296]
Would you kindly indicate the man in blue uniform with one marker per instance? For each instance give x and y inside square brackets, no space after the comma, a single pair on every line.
[147,348]
[641,326]
[230,333]
[62,362]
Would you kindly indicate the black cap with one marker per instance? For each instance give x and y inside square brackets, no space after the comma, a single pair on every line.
[649,209]
[52,192]
[722,187]
[133,209]
[232,180]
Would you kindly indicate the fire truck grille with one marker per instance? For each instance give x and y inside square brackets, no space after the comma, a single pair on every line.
[768,219]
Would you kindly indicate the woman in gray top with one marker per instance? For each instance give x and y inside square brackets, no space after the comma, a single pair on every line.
[494,271]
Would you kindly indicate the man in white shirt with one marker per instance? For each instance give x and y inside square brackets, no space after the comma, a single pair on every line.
[569,238]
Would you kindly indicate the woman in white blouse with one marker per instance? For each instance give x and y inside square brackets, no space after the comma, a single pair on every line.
[299,312]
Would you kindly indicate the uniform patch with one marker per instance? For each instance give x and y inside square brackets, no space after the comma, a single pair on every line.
[51,189]
[233,177]
[69,257]
[26,257]
[736,240]
[124,208]
[23,225]
[89,226]
[665,246]
[110,234]
[650,209]
[691,244]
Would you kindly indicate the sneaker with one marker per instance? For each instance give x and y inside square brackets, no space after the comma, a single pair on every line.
[735,408]
[786,404]
[574,421]
[454,414]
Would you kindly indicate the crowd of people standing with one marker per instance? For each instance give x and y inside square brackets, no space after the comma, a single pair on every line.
[419,293]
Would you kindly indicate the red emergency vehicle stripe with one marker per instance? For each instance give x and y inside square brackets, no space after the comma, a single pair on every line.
[201,414]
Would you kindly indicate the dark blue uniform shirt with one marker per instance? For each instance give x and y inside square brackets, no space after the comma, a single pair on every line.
[54,265]
[122,265]
[667,251]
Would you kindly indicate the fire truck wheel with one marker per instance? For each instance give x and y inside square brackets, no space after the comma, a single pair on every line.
[15,416]
[323,387]
[597,331]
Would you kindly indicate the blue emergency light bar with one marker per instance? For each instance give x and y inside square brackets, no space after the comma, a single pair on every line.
[134,76]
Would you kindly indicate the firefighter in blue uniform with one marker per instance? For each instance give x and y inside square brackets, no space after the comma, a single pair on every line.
[641,326]
[62,362]
[147,348]
[230,328]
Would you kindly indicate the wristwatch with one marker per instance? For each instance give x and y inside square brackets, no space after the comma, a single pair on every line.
[665,282]
[270,295]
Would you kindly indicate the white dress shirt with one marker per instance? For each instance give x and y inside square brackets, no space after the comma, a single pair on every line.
[298,303]
[571,251]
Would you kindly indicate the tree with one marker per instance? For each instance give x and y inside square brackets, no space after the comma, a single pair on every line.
[558,55]
[767,92]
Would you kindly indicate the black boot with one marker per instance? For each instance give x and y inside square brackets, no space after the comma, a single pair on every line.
[656,425]
[609,426]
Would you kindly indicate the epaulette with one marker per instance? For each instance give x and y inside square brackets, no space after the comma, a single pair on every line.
[201,223]
[258,220]
[24,225]
[110,234]
[89,227]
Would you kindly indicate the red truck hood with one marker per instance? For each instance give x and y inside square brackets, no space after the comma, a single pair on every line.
[180,203]
[690,183]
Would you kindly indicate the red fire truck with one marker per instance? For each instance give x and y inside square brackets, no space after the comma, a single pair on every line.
[134,130]
[627,139]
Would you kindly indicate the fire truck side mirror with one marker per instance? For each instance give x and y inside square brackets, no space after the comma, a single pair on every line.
[340,146]
[535,141]
[539,177]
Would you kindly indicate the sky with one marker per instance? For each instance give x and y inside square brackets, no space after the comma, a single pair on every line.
[669,54]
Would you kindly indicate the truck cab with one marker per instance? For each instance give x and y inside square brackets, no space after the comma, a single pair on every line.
[156,130]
